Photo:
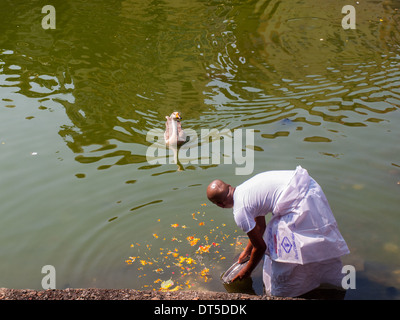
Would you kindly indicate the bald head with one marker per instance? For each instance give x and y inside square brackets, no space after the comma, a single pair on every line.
[217,190]
[220,193]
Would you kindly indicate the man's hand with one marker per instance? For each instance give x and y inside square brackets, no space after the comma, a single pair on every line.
[243,257]
[243,274]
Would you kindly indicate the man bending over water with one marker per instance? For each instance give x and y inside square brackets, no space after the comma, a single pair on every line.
[301,244]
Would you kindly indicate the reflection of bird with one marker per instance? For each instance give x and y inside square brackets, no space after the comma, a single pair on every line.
[174,135]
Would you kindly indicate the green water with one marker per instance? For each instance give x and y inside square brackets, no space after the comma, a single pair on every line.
[77,102]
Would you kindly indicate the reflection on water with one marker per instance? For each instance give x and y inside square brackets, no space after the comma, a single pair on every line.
[82,98]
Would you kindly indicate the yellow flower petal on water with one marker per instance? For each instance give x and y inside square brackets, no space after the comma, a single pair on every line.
[204,272]
[165,285]
[204,248]
[176,288]
[192,240]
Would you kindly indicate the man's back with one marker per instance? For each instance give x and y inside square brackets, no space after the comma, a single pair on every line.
[258,195]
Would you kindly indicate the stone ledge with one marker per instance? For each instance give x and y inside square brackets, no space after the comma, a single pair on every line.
[124,294]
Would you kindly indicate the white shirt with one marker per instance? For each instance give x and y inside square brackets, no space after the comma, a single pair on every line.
[302,229]
[258,196]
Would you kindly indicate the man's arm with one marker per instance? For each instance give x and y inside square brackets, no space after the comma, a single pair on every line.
[258,247]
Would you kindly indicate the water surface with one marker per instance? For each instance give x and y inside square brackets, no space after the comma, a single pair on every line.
[77,103]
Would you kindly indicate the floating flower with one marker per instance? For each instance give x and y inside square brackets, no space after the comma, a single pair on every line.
[181,259]
[175,225]
[204,272]
[204,248]
[165,285]
[176,288]
[190,261]
[174,254]
[192,240]
[155,235]
[159,270]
